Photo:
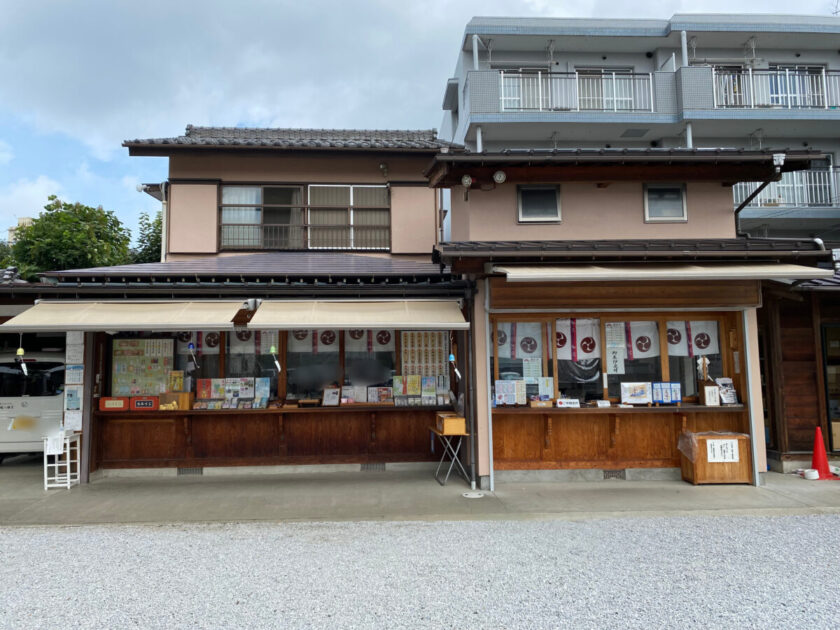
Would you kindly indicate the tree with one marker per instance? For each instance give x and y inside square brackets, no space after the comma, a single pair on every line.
[71,236]
[148,242]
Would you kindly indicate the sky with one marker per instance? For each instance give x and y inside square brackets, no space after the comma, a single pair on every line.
[78,78]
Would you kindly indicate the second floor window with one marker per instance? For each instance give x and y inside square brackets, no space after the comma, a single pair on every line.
[665,203]
[539,203]
[317,216]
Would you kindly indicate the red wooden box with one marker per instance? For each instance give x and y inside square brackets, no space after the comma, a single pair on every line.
[113,403]
[144,403]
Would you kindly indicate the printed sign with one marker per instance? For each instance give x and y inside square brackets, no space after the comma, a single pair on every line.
[722,451]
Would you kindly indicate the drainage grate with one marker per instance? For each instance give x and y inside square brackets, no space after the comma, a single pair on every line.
[615,474]
[190,471]
[373,467]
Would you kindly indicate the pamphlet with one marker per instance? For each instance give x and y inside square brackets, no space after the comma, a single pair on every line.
[360,394]
[373,394]
[505,392]
[399,386]
[217,387]
[231,388]
[176,380]
[204,388]
[262,387]
[413,385]
[386,395]
[521,393]
[532,369]
[331,397]
[246,387]
[546,387]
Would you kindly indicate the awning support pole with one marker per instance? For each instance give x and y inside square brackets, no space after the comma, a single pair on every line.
[753,408]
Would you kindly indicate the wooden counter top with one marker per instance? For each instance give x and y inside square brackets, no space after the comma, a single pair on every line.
[670,409]
[270,411]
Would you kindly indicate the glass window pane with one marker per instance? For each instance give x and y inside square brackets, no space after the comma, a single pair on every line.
[538,203]
[241,215]
[578,349]
[665,202]
[206,351]
[371,229]
[311,363]
[44,378]
[374,196]
[688,340]
[521,349]
[369,357]
[249,355]
[241,195]
[638,358]
[333,234]
[329,195]
[282,195]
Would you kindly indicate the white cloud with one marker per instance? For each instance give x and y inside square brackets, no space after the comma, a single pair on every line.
[103,71]
[25,198]
[6,153]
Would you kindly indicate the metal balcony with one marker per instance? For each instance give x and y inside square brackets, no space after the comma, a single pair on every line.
[782,89]
[800,189]
[575,91]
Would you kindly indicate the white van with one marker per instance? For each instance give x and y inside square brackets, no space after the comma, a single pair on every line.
[30,404]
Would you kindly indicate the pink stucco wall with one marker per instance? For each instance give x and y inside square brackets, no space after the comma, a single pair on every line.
[193,219]
[413,220]
[589,212]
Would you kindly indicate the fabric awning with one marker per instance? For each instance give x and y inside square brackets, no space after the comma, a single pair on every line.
[120,316]
[401,314]
[625,273]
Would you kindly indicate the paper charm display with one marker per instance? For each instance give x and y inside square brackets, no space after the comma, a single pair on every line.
[577,339]
[642,340]
[693,338]
[519,340]
[314,341]
[358,340]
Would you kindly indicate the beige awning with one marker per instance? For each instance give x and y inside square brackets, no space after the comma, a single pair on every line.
[625,273]
[127,315]
[401,314]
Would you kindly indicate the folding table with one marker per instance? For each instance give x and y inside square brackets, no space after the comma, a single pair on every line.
[451,447]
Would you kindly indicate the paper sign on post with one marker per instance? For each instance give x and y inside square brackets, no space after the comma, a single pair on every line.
[72,420]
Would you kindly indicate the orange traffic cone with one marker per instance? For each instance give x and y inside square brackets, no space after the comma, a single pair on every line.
[819,461]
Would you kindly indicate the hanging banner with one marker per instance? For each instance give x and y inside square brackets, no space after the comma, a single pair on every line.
[208,342]
[704,337]
[526,340]
[300,340]
[324,340]
[358,340]
[183,341]
[679,344]
[242,342]
[563,339]
[642,340]
[587,336]
[266,339]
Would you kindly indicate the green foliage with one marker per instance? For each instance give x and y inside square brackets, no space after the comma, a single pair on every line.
[5,255]
[70,236]
[148,248]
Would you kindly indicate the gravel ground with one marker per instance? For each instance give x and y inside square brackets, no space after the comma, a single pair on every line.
[721,572]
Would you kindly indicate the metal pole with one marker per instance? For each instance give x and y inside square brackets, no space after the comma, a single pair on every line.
[479,140]
[753,410]
[752,88]
[689,136]
[650,82]
[684,46]
[489,376]
[471,398]
[825,88]
[475,40]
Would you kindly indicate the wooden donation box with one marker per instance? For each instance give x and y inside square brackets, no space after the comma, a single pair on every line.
[715,458]
[450,424]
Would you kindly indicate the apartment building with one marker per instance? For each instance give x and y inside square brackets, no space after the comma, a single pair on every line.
[704,81]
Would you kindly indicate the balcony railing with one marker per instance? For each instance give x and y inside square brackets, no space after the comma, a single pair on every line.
[327,228]
[783,89]
[575,91]
[815,188]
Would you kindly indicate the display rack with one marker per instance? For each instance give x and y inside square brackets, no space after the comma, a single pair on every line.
[61,470]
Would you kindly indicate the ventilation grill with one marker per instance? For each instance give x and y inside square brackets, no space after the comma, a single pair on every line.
[615,474]
[373,467]
[190,471]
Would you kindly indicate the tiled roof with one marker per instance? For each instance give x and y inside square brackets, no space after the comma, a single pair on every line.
[265,265]
[424,140]
[822,284]
[596,250]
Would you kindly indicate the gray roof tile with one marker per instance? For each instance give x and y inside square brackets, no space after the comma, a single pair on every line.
[355,139]
[268,264]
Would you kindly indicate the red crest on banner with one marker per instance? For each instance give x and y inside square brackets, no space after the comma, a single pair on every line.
[587,344]
[383,337]
[561,340]
[328,337]
[702,340]
[643,343]
[528,344]
[243,335]
[300,335]
[356,333]
[674,336]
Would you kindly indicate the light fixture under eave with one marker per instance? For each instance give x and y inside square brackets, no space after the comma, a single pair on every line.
[466,181]
[500,177]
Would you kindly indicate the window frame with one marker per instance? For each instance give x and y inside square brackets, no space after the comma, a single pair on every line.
[305,206]
[730,338]
[554,187]
[683,195]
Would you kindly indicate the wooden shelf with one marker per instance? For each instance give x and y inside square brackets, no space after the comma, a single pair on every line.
[683,409]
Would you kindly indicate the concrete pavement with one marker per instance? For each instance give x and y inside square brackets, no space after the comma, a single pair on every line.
[383,495]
